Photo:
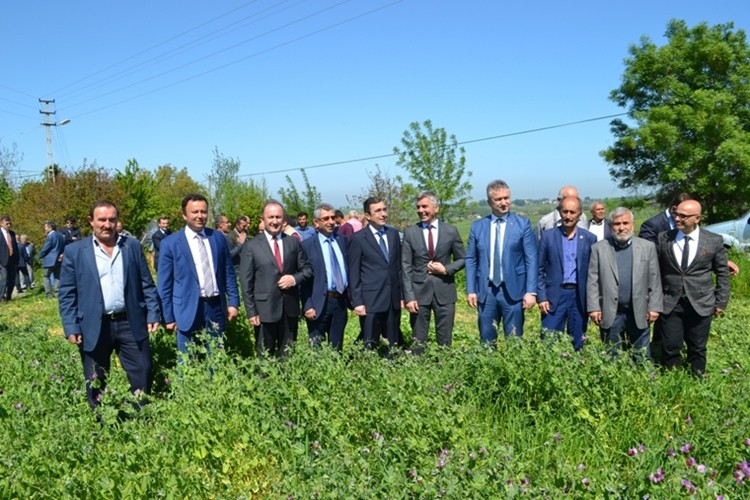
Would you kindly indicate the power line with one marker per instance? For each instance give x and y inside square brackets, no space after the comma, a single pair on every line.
[471,141]
[18,91]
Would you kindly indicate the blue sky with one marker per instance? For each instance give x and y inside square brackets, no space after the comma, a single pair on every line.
[283,85]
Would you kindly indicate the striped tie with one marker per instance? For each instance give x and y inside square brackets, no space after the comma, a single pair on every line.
[208,276]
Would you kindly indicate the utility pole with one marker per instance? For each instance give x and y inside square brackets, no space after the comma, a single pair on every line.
[48,124]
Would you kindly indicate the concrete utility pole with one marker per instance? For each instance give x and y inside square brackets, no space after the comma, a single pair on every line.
[49,123]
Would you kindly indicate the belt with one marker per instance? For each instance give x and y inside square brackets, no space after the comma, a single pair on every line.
[116,316]
[209,299]
[569,286]
[334,295]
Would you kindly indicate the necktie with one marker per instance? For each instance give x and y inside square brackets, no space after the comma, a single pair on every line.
[338,279]
[383,246]
[430,241]
[277,254]
[208,276]
[497,269]
[685,254]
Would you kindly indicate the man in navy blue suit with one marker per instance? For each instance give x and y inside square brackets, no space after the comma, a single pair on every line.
[108,302]
[375,276]
[501,266]
[324,300]
[196,280]
[564,253]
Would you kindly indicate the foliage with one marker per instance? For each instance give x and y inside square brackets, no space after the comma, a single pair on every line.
[398,197]
[232,196]
[434,162]
[171,187]
[295,202]
[135,204]
[689,102]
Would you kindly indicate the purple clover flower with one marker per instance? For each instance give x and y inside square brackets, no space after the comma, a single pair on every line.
[557,437]
[671,453]
[19,406]
[690,462]
[700,468]
[632,452]
[441,463]
[586,482]
[686,448]
[657,477]
[747,441]
[689,420]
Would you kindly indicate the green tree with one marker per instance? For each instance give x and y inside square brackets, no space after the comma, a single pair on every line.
[171,187]
[434,162]
[294,201]
[135,203]
[232,196]
[688,106]
[400,202]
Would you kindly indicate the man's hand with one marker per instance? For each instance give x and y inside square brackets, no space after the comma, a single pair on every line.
[596,317]
[75,338]
[172,327]
[544,307]
[241,238]
[254,320]
[286,282]
[152,327]
[652,316]
[529,300]
[232,313]
[360,310]
[734,269]
[412,306]
[718,310]
[436,268]
[471,299]
[310,314]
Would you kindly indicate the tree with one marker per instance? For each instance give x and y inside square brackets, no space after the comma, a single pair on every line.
[232,196]
[294,202]
[171,187]
[382,185]
[434,162]
[689,104]
[135,203]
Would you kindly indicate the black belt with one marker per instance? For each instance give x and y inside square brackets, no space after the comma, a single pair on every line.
[334,295]
[210,299]
[569,286]
[116,316]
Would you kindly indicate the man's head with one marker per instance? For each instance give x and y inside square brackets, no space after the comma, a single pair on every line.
[598,211]
[302,220]
[376,211]
[163,222]
[566,192]
[498,197]
[687,216]
[676,202]
[570,213]
[273,217]
[24,238]
[221,222]
[119,227]
[325,219]
[621,224]
[242,223]
[339,217]
[427,207]
[5,221]
[195,211]
[49,226]
[353,215]
[103,219]
[70,222]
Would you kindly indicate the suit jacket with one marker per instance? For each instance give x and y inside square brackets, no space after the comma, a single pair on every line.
[607,229]
[53,246]
[652,227]
[551,265]
[80,293]
[7,260]
[156,240]
[696,282]
[178,284]
[313,291]
[603,282]
[259,276]
[449,251]
[374,281]
[520,264]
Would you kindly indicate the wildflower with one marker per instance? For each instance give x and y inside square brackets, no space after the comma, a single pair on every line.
[483,451]
[586,482]
[656,477]
[167,381]
[557,437]
[686,448]
[671,453]
[441,463]
[472,456]
[525,481]
[448,387]
[19,406]
[725,371]
[365,451]
[747,440]
[689,420]
[690,462]
[641,449]
[688,486]
[700,468]
[377,436]
[412,473]
[580,466]
[314,445]
[444,452]
[632,452]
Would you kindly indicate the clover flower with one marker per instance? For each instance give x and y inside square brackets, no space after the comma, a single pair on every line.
[688,486]
[557,437]
[657,477]
[586,482]
[686,448]
[690,462]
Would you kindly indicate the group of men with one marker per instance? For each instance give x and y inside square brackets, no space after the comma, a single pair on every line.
[109,302]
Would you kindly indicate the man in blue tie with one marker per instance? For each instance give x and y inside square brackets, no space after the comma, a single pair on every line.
[501,266]
[375,276]
[324,298]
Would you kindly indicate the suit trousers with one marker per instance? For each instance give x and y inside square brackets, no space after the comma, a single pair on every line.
[420,324]
[683,324]
[51,276]
[624,334]
[386,324]
[331,323]
[135,358]
[499,306]
[567,313]
[276,339]
[209,317]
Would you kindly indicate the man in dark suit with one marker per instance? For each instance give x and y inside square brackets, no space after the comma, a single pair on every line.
[70,232]
[324,297]
[9,258]
[689,257]
[162,231]
[563,257]
[501,266]
[375,276]
[196,280]
[237,237]
[599,225]
[272,269]
[51,255]
[432,252]
[663,221]
[108,302]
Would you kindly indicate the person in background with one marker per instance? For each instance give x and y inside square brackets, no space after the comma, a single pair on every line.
[598,225]
[554,219]
[162,231]
[51,255]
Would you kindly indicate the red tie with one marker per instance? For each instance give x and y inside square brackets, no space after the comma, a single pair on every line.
[277,254]
[430,242]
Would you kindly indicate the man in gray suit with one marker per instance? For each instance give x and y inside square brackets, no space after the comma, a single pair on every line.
[432,252]
[272,268]
[624,293]
[689,257]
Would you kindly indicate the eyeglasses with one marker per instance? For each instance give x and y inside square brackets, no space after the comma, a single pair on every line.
[328,217]
[683,216]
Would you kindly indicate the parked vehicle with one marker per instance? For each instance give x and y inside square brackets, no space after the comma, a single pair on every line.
[736,233]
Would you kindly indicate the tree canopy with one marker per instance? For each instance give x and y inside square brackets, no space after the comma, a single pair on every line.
[688,105]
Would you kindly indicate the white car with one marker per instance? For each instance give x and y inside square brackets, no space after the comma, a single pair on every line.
[736,233]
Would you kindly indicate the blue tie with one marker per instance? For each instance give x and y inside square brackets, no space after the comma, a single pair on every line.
[383,247]
[338,279]
[497,269]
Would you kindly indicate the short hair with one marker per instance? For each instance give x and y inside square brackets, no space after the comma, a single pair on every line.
[100,204]
[594,204]
[192,197]
[619,212]
[71,219]
[353,213]
[241,218]
[23,237]
[219,219]
[496,185]
[429,194]
[680,198]
[339,214]
[372,200]
[51,224]
[323,206]
[5,217]
[300,214]
[164,217]
[271,201]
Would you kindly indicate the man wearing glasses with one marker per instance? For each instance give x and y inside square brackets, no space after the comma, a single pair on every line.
[688,257]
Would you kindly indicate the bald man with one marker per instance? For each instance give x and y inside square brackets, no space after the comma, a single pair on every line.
[689,257]
[554,219]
